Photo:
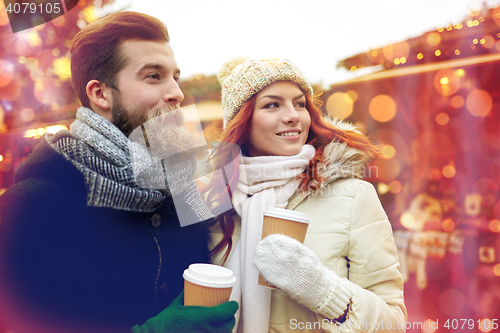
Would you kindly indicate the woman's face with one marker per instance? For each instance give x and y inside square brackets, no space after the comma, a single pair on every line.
[280,122]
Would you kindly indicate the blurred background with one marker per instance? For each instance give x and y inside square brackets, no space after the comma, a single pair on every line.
[422,77]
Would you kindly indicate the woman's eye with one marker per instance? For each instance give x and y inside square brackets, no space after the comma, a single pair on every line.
[271,105]
[300,105]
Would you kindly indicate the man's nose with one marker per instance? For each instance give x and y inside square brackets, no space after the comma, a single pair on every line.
[173,93]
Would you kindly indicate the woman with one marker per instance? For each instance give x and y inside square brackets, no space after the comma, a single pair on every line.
[345,276]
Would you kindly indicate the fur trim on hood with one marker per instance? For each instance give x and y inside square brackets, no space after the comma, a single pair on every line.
[341,160]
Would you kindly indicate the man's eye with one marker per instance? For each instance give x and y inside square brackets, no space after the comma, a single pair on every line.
[154,76]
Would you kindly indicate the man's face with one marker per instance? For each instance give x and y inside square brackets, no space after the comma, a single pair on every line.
[146,86]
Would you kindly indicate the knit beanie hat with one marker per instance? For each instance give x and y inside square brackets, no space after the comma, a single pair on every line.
[241,78]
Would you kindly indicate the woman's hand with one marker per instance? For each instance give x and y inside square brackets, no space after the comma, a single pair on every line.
[292,267]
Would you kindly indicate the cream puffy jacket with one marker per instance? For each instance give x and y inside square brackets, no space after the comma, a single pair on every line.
[351,234]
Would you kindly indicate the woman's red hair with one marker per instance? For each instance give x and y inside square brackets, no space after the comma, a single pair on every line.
[237,132]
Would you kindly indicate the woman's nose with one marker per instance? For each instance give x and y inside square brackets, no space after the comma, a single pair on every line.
[291,115]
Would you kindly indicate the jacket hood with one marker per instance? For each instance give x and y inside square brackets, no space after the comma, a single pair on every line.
[341,160]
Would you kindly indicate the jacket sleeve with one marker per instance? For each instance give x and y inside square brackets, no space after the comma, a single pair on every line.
[376,285]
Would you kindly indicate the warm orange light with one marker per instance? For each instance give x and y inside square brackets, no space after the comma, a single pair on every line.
[494,226]
[486,324]
[59,22]
[339,105]
[457,52]
[433,39]
[429,326]
[449,171]
[4,19]
[488,41]
[27,114]
[475,41]
[420,56]
[460,72]
[382,108]
[496,269]
[447,82]
[1,158]
[479,103]
[457,101]
[448,225]
[352,95]
[382,188]
[407,220]
[437,53]
[442,119]
[395,186]
[6,72]
[388,151]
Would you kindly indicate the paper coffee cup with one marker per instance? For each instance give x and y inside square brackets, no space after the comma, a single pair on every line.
[286,222]
[207,285]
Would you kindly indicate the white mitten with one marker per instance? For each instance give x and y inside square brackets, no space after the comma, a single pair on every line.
[295,269]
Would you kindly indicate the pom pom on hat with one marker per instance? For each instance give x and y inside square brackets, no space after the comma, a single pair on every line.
[240,79]
[228,67]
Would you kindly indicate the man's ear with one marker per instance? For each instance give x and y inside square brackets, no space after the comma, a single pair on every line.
[100,98]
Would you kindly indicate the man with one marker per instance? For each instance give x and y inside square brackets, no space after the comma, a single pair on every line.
[83,247]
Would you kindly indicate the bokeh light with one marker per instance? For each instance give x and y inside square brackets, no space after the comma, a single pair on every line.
[6,72]
[488,41]
[62,68]
[382,108]
[388,151]
[352,95]
[442,118]
[11,91]
[449,171]
[486,325]
[452,301]
[395,186]
[457,101]
[339,105]
[433,39]
[386,170]
[382,188]
[36,74]
[479,103]
[448,225]
[407,220]
[429,326]
[447,82]
[27,114]
[494,226]
[397,50]
[4,18]
[59,22]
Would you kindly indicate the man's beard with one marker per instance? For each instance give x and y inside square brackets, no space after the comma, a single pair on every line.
[161,132]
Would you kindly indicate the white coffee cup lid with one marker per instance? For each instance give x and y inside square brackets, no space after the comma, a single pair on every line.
[207,275]
[287,214]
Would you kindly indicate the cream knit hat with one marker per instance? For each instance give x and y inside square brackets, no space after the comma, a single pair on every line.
[241,78]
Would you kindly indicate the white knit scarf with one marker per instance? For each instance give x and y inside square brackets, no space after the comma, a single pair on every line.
[265,181]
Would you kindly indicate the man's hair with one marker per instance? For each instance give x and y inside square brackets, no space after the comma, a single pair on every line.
[96,52]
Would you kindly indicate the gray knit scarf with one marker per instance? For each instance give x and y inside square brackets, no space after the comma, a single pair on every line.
[102,153]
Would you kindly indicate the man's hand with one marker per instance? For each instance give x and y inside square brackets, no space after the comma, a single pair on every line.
[193,319]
